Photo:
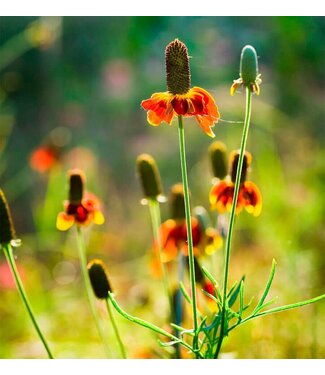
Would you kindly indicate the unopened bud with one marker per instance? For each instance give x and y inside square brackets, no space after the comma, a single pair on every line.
[177,68]
[149,176]
[7,230]
[217,153]
[99,278]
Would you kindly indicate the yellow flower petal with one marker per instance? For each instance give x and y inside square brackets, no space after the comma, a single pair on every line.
[98,218]
[64,221]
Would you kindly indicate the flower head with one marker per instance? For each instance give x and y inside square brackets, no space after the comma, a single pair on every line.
[181,99]
[249,75]
[249,196]
[81,208]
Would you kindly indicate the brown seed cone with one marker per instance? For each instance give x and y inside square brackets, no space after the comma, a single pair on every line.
[177,68]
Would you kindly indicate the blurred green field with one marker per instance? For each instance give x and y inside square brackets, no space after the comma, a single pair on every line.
[79,82]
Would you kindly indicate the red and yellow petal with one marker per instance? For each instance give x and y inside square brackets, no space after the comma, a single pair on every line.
[159,108]
[98,217]
[252,198]
[64,221]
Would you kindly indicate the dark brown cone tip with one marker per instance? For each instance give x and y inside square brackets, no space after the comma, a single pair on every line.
[7,230]
[99,278]
[177,68]
[149,176]
[177,205]
[76,187]
[234,165]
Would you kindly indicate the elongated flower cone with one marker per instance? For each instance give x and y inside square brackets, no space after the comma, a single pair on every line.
[99,278]
[7,230]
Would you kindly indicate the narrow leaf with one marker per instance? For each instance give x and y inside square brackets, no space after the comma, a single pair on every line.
[184,292]
[267,288]
[232,297]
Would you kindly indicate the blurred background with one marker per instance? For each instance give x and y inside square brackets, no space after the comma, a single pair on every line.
[70,94]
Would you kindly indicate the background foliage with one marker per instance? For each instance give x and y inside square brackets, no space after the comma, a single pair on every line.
[79,81]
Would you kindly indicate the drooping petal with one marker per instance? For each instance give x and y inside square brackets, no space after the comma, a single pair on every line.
[64,221]
[159,108]
[98,217]
[252,198]
[180,104]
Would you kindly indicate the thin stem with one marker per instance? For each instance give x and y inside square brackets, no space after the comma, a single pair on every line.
[188,228]
[116,331]
[11,261]
[146,324]
[89,292]
[233,214]
[155,215]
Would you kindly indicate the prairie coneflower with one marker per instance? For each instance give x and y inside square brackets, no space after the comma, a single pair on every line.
[249,196]
[80,208]
[181,99]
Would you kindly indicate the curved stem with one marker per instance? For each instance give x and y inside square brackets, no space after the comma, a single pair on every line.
[232,216]
[144,323]
[117,334]
[12,264]
[89,292]
[156,223]
[188,228]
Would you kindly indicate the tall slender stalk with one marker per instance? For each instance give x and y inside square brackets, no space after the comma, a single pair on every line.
[116,331]
[188,228]
[154,209]
[232,216]
[83,263]
[11,261]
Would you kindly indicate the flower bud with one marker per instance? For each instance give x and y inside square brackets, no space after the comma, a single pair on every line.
[234,158]
[177,204]
[76,186]
[149,176]
[248,66]
[217,153]
[7,230]
[99,278]
[177,68]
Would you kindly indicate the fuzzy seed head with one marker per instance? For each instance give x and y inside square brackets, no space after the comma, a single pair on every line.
[99,278]
[7,230]
[149,176]
[217,153]
[177,68]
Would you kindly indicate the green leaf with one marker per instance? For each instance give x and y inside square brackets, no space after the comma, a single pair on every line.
[291,306]
[267,287]
[241,298]
[268,303]
[210,277]
[212,297]
[232,295]
[184,292]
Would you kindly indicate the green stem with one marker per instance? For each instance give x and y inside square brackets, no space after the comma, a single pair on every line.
[188,228]
[232,216]
[155,215]
[144,323]
[117,334]
[89,292]
[11,261]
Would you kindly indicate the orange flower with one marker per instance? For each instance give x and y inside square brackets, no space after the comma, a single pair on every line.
[43,159]
[83,213]
[174,238]
[79,209]
[180,99]
[249,197]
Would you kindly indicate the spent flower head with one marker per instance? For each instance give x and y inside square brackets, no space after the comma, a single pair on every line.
[248,71]
[181,99]
[99,280]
